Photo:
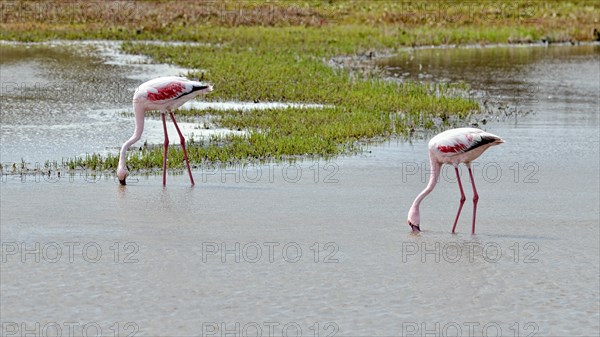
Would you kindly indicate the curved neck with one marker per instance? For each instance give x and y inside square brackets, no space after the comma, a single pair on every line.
[139,112]
[433,178]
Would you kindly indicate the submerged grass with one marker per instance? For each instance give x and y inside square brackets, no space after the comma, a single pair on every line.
[282,51]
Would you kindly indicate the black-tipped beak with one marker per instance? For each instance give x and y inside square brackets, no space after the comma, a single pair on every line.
[415,228]
[122,182]
[204,88]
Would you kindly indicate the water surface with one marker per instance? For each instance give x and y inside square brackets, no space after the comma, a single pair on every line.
[324,246]
[65,99]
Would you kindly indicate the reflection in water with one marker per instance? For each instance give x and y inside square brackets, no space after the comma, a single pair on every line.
[61,100]
[122,192]
[533,263]
[529,78]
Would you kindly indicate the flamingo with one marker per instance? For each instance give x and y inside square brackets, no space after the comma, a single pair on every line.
[164,94]
[455,146]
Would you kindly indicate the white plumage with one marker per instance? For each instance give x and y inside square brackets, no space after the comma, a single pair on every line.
[455,146]
[164,94]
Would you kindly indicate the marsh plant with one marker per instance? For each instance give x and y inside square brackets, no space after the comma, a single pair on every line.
[281,51]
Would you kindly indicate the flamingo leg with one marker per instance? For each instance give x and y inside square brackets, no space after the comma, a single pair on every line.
[166,145]
[475,199]
[182,140]
[462,198]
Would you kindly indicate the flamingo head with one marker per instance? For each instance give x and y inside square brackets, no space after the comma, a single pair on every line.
[122,174]
[415,228]
[414,219]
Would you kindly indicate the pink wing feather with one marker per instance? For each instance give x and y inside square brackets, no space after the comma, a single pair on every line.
[457,141]
[170,91]
[167,88]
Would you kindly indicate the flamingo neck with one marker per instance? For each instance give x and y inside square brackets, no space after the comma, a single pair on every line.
[433,178]
[139,112]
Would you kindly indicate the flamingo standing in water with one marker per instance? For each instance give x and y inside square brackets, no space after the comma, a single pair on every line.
[164,94]
[453,147]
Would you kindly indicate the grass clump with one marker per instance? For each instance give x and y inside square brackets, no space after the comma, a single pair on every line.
[283,51]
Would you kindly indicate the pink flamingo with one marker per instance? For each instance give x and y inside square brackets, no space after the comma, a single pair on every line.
[164,94]
[453,147]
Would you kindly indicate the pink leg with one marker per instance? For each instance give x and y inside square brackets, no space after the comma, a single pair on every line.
[475,199]
[182,140]
[462,199]
[166,150]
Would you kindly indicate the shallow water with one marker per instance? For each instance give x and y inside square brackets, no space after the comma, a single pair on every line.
[67,99]
[324,246]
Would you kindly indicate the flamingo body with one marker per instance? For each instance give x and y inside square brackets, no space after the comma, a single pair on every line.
[168,93]
[164,94]
[461,145]
[453,147]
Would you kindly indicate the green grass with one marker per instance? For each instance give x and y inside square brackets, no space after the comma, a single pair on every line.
[358,106]
[280,52]
[264,64]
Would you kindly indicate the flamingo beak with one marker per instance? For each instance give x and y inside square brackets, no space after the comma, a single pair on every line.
[415,228]
[122,181]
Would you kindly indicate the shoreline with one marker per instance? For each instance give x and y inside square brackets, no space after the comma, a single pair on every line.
[289,54]
[351,149]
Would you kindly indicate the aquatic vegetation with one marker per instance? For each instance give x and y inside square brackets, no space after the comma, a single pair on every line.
[279,52]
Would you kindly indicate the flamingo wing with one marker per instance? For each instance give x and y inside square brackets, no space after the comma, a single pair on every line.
[458,141]
[171,88]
